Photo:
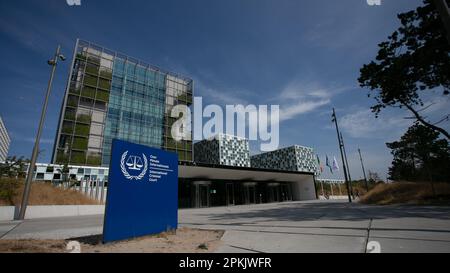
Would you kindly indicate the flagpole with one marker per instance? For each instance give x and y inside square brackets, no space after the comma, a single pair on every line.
[342,155]
[348,167]
[363,169]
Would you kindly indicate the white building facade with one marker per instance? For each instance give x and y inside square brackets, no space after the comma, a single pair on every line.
[296,159]
[5,141]
[224,150]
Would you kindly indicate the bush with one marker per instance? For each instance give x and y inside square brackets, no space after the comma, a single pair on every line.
[407,193]
[8,190]
[41,194]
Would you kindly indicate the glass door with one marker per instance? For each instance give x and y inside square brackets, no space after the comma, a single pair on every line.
[230,194]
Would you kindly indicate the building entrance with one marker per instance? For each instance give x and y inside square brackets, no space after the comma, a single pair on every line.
[286,194]
[202,194]
[273,192]
[230,194]
[249,193]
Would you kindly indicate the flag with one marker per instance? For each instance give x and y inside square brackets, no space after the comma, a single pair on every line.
[328,165]
[335,164]
[319,164]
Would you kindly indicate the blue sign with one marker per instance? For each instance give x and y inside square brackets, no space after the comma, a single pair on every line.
[142,192]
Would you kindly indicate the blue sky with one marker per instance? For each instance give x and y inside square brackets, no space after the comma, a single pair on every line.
[303,55]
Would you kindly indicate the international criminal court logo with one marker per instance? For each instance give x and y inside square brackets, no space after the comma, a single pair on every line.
[133,167]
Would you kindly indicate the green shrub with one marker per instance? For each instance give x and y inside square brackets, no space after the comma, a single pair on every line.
[8,190]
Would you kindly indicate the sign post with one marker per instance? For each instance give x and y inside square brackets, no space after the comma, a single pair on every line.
[142,194]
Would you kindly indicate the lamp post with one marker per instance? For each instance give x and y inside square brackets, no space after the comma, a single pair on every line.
[363,169]
[26,192]
[342,155]
[348,167]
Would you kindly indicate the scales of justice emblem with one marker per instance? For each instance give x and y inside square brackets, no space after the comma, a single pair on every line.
[133,163]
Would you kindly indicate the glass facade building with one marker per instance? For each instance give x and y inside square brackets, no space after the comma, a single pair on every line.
[110,95]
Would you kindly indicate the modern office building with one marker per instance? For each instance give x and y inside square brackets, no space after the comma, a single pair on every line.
[224,150]
[5,141]
[206,185]
[111,95]
[295,158]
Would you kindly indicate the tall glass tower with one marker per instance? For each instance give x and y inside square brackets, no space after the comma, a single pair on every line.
[111,95]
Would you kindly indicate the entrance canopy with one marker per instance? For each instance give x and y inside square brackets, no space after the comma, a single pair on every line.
[301,183]
[220,172]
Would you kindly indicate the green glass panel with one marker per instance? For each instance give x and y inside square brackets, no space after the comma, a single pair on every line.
[88,92]
[188,156]
[80,143]
[94,60]
[171,143]
[94,160]
[75,91]
[67,127]
[61,157]
[104,84]
[105,73]
[72,101]
[92,69]
[84,118]
[78,157]
[90,80]
[102,95]
[70,114]
[82,129]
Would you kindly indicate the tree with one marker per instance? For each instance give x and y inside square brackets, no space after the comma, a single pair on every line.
[420,156]
[374,177]
[14,167]
[412,64]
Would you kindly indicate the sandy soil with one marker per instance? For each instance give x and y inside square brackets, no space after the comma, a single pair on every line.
[183,241]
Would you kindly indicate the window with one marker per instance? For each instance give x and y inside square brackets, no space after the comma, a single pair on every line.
[90,80]
[95,142]
[88,92]
[92,69]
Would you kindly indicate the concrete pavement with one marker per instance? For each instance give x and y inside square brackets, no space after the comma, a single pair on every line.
[316,226]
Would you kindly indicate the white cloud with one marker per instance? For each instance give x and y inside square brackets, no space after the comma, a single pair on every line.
[15,136]
[224,96]
[363,124]
[301,107]
[296,98]
[299,98]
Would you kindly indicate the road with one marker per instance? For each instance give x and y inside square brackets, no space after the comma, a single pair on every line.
[317,226]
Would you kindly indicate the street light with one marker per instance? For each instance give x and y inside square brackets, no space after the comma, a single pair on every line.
[363,169]
[342,155]
[26,192]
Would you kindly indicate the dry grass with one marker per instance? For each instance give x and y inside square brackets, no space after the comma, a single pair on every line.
[408,193]
[46,194]
[184,240]
[32,246]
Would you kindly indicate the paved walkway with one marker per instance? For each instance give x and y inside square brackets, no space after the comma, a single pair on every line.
[318,226]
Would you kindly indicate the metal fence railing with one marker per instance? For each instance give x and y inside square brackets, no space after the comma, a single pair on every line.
[94,189]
